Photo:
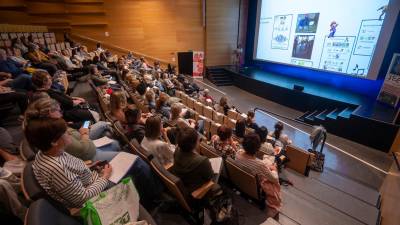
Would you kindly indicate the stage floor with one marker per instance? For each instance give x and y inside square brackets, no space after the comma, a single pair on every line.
[368,107]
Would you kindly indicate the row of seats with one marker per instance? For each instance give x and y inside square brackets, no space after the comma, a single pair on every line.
[171,182]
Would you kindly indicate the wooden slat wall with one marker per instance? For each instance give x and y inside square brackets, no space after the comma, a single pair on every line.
[159,28]
[221,32]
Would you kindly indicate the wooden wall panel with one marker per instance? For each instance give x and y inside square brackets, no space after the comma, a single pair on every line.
[221,31]
[158,28]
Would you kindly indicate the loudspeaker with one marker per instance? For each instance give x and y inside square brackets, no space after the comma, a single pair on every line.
[298,87]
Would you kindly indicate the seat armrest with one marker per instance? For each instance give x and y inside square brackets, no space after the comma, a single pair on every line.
[168,166]
[200,192]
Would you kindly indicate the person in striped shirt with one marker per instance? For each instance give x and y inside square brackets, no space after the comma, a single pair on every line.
[64,178]
[268,174]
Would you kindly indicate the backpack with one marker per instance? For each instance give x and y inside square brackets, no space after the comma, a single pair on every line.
[222,211]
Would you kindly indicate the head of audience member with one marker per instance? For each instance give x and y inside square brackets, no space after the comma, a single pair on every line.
[124,73]
[93,70]
[44,107]
[38,95]
[250,117]
[153,127]
[188,139]
[30,38]
[150,96]
[176,110]
[278,129]
[262,133]
[224,133]
[162,100]
[65,52]
[251,143]
[32,48]
[41,79]
[47,134]
[98,45]
[17,52]
[3,55]
[223,101]
[96,59]
[133,116]
[165,76]
[240,128]
[118,101]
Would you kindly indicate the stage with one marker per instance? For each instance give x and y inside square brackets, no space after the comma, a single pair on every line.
[343,113]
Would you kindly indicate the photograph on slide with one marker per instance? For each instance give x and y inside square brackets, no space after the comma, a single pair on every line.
[307,23]
[303,46]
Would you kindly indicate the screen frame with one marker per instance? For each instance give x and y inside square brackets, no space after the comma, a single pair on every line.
[376,60]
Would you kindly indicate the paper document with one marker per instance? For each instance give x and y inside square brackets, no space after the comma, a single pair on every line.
[102,141]
[216,164]
[120,165]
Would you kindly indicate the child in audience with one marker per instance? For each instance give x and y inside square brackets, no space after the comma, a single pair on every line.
[162,106]
[224,143]
[279,136]
[250,121]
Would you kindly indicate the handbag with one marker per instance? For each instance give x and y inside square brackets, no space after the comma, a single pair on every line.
[118,205]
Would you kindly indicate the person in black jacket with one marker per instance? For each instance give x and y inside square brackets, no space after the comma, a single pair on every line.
[71,106]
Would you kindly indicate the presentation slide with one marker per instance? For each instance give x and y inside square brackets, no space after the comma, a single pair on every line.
[338,35]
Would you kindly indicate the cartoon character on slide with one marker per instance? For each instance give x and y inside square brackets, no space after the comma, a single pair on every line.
[332,31]
[383,10]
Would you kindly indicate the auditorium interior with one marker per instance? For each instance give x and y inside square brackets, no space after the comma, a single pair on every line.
[221,112]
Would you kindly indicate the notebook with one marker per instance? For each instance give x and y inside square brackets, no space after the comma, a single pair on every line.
[120,165]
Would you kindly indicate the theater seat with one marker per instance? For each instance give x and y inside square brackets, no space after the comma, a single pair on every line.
[245,181]
[299,159]
[29,185]
[26,151]
[208,151]
[41,212]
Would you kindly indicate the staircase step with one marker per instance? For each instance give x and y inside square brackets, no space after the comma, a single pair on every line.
[312,115]
[302,117]
[322,115]
[304,209]
[346,113]
[351,187]
[335,198]
[333,114]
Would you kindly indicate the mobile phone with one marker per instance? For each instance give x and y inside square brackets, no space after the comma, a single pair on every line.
[86,124]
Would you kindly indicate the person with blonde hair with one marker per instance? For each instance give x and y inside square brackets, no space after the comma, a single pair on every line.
[150,101]
[118,103]
[81,144]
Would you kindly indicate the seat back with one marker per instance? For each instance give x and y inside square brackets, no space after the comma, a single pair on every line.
[25,150]
[208,151]
[298,159]
[29,185]
[218,117]
[230,123]
[173,184]
[198,107]
[243,179]
[139,150]
[233,114]
[118,130]
[208,112]
[190,103]
[42,212]
[214,128]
